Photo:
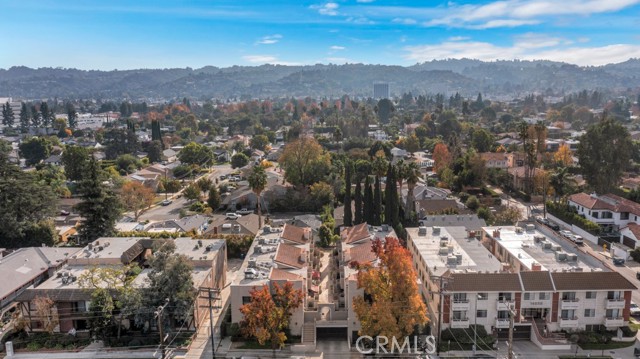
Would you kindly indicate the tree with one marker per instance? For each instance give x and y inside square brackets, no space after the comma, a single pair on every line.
[195,154]
[72,115]
[259,142]
[192,192]
[348,219]
[441,157]
[376,213]
[35,150]
[154,151]
[472,203]
[136,197]
[214,200]
[8,117]
[25,118]
[562,183]
[384,109]
[603,153]
[564,156]
[169,282]
[268,313]
[305,162]
[258,182]
[119,142]
[156,134]
[391,203]
[75,160]
[127,164]
[357,199]
[44,114]
[239,160]
[46,312]
[395,307]
[100,207]
[321,194]
[413,175]
[412,143]
[481,140]
[367,209]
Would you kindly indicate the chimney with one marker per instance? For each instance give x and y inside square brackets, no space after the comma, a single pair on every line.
[536,267]
[496,233]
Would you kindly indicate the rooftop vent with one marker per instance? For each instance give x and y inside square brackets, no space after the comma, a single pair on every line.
[422,231]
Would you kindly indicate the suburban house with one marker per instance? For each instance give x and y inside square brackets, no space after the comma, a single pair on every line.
[495,159]
[244,225]
[517,175]
[196,223]
[610,211]
[169,155]
[73,303]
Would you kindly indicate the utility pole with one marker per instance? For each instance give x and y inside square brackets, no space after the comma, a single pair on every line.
[158,315]
[166,193]
[441,293]
[210,295]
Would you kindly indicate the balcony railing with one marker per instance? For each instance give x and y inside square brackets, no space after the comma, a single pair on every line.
[570,304]
[505,304]
[571,322]
[615,303]
[460,323]
[460,304]
[613,322]
[502,323]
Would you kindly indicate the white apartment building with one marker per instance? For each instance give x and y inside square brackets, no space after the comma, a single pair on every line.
[609,211]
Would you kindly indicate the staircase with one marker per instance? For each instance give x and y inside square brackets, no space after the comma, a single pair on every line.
[309,333]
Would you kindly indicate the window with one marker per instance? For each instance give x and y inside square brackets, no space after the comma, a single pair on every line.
[614,295]
[460,315]
[624,215]
[607,215]
[503,314]
[544,296]
[614,313]
[504,297]
[569,296]
[481,313]
[460,298]
[528,296]
[483,296]
[568,314]
[591,295]
[589,313]
[246,300]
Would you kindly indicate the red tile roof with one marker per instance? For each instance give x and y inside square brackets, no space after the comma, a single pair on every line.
[590,202]
[281,274]
[609,202]
[355,233]
[635,229]
[289,256]
[362,253]
[494,156]
[296,234]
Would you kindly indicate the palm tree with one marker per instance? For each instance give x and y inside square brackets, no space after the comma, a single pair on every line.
[562,183]
[258,181]
[412,176]
[401,174]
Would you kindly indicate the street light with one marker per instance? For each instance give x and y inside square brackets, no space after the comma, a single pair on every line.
[475,325]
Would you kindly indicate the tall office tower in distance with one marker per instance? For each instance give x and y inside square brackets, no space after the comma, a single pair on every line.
[381,90]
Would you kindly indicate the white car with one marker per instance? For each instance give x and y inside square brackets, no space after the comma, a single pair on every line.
[244,211]
[577,239]
[232,216]
[635,310]
[565,233]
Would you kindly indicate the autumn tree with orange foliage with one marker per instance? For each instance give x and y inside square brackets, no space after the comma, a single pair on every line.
[395,308]
[268,313]
[564,156]
[441,157]
[136,197]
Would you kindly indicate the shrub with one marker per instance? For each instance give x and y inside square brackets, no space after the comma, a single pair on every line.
[135,343]
[635,254]
[568,214]
[472,203]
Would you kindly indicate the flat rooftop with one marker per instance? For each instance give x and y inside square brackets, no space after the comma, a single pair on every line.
[532,247]
[450,249]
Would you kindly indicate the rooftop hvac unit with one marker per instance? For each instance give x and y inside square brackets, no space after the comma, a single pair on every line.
[443,251]
[258,249]
[436,231]
[266,229]
[444,239]
[530,228]
[450,249]
[252,263]
[260,240]
[519,230]
[422,231]
[199,243]
[385,227]
[556,248]
[578,269]
[572,257]
[561,256]
[209,247]
[458,257]
[546,245]
[538,238]
[452,260]
[250,273]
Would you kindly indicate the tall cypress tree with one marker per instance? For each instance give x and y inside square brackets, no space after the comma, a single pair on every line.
[35,117]
[377,204]
[25,118]
[8,117]
[391,203]
[44,114]
[100,207]
[72,115]
[358,202]
[367,210]
[347,194]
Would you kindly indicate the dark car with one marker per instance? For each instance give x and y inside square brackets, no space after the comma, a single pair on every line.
[618,261]
[638,275]
[553,226]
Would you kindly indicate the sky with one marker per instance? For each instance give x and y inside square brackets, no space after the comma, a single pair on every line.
[130,34]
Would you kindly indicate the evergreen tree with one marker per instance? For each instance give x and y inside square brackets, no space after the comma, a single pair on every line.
[392,206]
[8,117]
[35,117]
[347,194]
[358,202]
[72,115]
[100,207]
[45,115]
[155,131]
[25,118]
[377,204]
[367,210]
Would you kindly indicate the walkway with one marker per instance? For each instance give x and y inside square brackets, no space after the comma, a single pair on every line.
[326,284]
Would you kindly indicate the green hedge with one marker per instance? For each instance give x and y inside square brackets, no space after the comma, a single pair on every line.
[569,215]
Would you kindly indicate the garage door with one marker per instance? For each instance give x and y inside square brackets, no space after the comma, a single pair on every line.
[628,242]
[331,333]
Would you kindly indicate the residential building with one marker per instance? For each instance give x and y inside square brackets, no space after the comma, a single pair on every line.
[72,302]
[244,225]
[498,160]
[381,91]
[197,224]
[610,211]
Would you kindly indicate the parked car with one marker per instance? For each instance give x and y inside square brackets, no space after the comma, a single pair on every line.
[618,261]
[244,211]
[233,216]
[553,226]
[542,220]
[565,233]
[64,213]
[223,177]
[577,239]
[166,202]
[635,310]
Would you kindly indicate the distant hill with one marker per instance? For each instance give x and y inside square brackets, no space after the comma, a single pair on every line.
[466,76]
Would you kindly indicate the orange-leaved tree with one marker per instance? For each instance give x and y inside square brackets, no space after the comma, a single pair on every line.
[441,157]
[391,305]
[267,315]
[564,156]
[136,197]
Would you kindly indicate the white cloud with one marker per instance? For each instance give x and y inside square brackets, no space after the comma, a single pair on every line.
[512,13]
[458,38]
[329,9]
[360,20]
[260,59]
[269,40]
[337,48]
[524,48]
[404,21]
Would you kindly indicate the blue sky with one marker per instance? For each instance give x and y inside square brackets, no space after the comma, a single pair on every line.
[126,34]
